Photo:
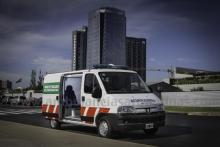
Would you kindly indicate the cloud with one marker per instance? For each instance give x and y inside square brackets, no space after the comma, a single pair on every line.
[52,64]
[152,59]
[36,32]
[186,60]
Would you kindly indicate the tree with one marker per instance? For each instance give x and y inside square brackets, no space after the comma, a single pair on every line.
[33,79]
[40,81]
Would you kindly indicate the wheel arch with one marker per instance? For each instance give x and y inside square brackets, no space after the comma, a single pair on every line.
[99,116]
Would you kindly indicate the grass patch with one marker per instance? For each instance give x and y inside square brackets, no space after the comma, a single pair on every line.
[191,109]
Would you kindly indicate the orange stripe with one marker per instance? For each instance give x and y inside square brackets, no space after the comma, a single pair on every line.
[51,107]
[82,109]
[44,108]
[91,112]
[57,109]
[104,110]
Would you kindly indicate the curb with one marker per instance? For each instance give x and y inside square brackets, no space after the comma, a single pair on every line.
[176,112]
[214,114]
[204,114]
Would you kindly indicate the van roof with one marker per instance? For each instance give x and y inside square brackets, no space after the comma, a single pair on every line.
[93,70]
[55,77]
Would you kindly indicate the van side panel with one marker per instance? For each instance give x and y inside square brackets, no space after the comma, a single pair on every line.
[50,102]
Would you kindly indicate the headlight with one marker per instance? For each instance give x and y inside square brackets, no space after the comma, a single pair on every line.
[126,109]
[161,107]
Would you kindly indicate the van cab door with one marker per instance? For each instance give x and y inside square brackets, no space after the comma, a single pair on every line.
[91,95]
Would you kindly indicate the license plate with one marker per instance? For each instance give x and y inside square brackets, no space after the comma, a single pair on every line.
[149,126]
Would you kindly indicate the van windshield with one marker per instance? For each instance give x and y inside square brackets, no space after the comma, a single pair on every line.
[123,82]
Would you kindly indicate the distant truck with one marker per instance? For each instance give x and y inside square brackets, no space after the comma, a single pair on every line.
[108,97]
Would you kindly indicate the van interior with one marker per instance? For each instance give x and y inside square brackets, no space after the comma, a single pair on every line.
[71,97]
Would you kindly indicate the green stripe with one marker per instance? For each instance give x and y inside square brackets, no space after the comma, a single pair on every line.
[51,88]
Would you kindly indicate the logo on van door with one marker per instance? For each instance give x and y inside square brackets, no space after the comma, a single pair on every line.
[51,88]
[149,101]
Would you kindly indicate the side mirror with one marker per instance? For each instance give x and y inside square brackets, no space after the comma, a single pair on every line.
[151,90]
[97,93]
[159,88]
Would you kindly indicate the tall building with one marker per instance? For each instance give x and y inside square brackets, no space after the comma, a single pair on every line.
[136,55]
[79,47]
[106,37]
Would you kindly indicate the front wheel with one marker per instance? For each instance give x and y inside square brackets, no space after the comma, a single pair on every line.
[55,124]
[151,131]
[105,128]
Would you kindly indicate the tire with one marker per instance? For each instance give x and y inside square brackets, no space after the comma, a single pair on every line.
[54,124]
[105,128]
[151,131]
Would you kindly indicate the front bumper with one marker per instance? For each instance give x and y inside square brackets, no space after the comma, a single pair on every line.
[121,122]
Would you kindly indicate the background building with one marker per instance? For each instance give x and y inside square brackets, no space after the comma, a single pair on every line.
[79,47]
[189,79]
[136,55]
[5,84]
[106,37]
[107,43]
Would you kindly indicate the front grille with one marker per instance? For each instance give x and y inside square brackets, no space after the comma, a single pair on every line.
[152,117]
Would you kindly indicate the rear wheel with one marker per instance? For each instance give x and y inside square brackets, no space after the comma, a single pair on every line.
[151,131]
[55,124]
[105,128]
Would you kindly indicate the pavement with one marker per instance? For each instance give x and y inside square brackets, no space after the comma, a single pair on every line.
[181,130]
[20,135]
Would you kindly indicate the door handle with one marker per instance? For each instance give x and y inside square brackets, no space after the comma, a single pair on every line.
[83,98]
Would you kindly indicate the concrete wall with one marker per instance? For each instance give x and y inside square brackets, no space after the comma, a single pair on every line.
[210,86]
[194,99]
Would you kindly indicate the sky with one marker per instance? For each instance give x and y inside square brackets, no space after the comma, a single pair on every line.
[38,34]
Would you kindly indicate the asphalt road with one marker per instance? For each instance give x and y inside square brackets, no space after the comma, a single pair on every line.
[180,130]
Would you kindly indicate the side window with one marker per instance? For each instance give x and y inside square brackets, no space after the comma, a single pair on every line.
[88,84]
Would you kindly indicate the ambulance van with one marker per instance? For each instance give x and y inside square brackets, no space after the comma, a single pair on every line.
[108,97]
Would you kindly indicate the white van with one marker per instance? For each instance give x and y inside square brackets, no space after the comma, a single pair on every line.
[108,97]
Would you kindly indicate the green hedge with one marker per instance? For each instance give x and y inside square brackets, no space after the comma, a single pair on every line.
[197,80]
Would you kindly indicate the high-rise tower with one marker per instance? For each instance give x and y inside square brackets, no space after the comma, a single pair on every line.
[136,55]
[79,47]
[106,37]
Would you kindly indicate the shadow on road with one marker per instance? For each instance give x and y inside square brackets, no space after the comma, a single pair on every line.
[164,132]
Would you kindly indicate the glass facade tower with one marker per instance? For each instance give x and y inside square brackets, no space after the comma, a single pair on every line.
[106,42]
[79,47]
[136,55]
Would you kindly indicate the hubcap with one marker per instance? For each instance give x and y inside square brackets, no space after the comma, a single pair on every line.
[103,128]
[53,123]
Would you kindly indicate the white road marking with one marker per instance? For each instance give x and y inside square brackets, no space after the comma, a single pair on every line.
[19,111]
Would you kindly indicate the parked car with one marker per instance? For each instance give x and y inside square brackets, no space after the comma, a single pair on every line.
[29,102]
[37,101]
[1,97]
[17,100]
[6,100]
